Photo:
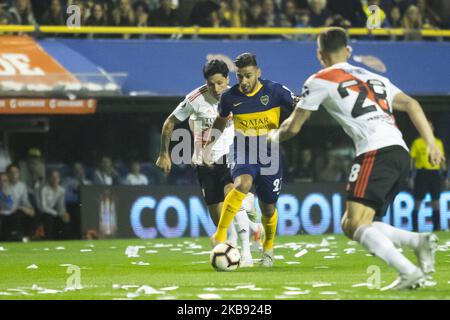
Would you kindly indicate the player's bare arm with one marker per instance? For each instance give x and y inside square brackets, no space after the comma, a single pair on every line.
[163,160]
[291,126]
[403,102]
[217,127]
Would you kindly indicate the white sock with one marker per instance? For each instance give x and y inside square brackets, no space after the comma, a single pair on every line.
[232,234]
[380,245]
[242,224]
[254,227]
[399,238]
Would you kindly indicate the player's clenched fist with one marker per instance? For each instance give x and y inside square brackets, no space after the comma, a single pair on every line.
[164,163]
[435,155]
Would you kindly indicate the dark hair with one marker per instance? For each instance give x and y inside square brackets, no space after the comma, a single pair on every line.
[12,165]
[333,39]
[246,59]
[215,66]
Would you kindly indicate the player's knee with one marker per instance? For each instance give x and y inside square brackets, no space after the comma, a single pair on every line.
[244,185]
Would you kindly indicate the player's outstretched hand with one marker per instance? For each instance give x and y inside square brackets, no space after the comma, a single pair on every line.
[273,136]
[435,155]
[164,163]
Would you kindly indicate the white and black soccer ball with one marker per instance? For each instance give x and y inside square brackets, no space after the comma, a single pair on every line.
[225,257]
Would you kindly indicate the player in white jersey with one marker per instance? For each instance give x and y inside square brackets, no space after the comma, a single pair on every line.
[363,103]
[200,107]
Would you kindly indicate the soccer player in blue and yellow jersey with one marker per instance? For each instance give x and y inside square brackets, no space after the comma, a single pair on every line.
[255,106]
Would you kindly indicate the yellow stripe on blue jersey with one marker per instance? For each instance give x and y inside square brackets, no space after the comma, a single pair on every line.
[257,123]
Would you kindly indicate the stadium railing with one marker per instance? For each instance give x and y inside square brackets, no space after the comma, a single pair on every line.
[214,31]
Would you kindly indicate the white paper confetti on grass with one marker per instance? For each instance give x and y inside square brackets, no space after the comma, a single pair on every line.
[330,257]
[132,295]
[349,250]
[151,251]
[32,266]
[60,248]
[324,243]
[292,288]
[321,267]
[2,249]
[363,284]
[165,297]
[208,296]
[175,249]
[320,285]
[86,250]
[147,290]
[293,262]
[328,292]
[323,250]
[5,294]
[162,245]
[296,293]
[133,251]
[301,253]
[169,288]
[247,286]
[280,257]
[141,263]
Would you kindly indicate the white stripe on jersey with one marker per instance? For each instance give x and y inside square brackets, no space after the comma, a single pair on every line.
[360,101]
[201,109]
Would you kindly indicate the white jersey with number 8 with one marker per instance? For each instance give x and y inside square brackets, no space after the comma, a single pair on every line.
[359,100]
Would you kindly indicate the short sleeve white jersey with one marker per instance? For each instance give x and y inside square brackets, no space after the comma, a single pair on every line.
[359,100]
[201,109]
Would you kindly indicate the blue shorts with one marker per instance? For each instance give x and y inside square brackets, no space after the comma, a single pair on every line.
[268,186]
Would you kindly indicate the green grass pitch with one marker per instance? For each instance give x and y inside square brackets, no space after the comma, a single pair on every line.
[179,269]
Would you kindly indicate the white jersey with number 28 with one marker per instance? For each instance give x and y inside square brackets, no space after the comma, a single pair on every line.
[359,100]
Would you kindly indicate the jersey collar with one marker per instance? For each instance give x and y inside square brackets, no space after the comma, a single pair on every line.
[251,94]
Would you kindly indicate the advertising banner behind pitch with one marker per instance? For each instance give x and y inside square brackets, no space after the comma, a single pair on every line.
[170,212]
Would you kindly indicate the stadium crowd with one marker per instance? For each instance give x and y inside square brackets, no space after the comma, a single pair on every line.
[409,14]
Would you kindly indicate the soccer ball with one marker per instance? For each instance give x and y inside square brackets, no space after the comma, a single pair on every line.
[225,257]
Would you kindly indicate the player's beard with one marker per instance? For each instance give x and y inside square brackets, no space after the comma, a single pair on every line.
[249,89]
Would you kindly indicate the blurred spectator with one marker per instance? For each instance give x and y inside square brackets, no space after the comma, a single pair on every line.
[394,18]
[5,17]
[123,16]
[21,222]
[350,10]
[5,158]
[52,207]
[98,17]
[320,16]
[289,17]
[387,5]
[72,183]
[237,13]
[430,19]
[224,14]
[33,172]
[142,13]
[339,21]
[378,15]
[135,177]
[105,175]
[333,171]
[205,13]
[165,15]
[54,15]
[254,15]
[305,169]
[269,14]
[6,205]
[22,13]
[412,23]
[303,19]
